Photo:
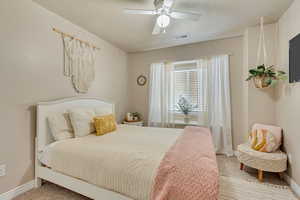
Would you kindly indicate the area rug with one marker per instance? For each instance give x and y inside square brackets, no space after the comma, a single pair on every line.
[238,189]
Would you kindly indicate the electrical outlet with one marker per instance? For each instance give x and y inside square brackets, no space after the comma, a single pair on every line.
[2,170]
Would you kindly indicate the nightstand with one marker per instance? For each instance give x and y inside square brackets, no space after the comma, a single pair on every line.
[139,123]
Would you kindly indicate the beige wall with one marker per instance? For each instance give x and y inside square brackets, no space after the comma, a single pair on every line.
[139,63]
[31,70]
[288,96]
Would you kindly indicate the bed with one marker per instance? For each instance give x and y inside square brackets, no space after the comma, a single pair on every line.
[123,165]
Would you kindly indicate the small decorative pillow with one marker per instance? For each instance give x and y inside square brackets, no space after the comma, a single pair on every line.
[105,124]
[82,121]
[275,130]
[262,140]
[60,126]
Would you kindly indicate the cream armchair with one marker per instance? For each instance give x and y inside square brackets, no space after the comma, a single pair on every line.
[270,162]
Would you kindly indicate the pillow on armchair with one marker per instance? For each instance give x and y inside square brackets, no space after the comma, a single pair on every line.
[265,138]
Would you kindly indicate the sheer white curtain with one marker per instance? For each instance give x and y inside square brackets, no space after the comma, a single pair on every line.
[161,97]
[219,103]
[202,92]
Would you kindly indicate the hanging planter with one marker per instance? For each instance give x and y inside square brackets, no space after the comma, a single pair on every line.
[264,77]
[260,82]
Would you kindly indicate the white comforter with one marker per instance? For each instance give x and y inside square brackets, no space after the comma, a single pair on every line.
[124,161]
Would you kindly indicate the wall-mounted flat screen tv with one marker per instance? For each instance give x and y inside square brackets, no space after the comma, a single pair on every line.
[294,69]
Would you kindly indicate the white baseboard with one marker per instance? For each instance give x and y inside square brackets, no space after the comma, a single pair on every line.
[17,191]
[294,186]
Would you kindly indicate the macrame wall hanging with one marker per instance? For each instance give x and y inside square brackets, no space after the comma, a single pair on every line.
[79,62]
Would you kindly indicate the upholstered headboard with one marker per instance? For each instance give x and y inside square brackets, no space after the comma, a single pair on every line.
[44,136]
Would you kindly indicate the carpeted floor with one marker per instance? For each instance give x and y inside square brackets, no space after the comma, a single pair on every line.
[234,185]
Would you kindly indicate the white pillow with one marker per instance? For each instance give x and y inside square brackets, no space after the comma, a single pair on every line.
[60,126]
[103,111]
[82,121]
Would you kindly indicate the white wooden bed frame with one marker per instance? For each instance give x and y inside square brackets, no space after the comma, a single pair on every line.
[44,138]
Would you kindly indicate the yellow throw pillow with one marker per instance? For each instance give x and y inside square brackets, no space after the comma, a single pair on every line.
[262,140]
[105,124]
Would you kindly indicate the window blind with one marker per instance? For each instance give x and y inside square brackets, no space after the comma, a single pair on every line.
[187,84]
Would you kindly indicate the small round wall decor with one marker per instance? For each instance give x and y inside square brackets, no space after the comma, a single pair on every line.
[141,80]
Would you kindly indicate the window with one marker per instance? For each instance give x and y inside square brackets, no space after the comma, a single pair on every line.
[187,84]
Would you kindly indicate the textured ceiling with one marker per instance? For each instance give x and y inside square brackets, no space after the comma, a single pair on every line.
[132,33]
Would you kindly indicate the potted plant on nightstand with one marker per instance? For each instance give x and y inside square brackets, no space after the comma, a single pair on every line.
[133,119]
[137,116]
[264,77]
[186,107]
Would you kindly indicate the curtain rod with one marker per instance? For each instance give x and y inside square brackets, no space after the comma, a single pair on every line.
[73,37]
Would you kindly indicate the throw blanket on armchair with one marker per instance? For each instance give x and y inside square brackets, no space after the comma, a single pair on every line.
[189,169]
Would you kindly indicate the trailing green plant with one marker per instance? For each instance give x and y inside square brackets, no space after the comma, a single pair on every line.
[138,115]
[269,75]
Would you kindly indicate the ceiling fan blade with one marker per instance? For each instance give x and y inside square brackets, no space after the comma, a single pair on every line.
[156,30]
[185,15]
[140,12]
[169,3]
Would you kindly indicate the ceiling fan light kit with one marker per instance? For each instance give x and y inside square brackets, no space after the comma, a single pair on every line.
[164,12]
[163,21]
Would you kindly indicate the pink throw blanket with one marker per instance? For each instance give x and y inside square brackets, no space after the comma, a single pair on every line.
[189,170]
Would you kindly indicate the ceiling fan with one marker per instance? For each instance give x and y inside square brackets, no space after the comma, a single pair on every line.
[164,12]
